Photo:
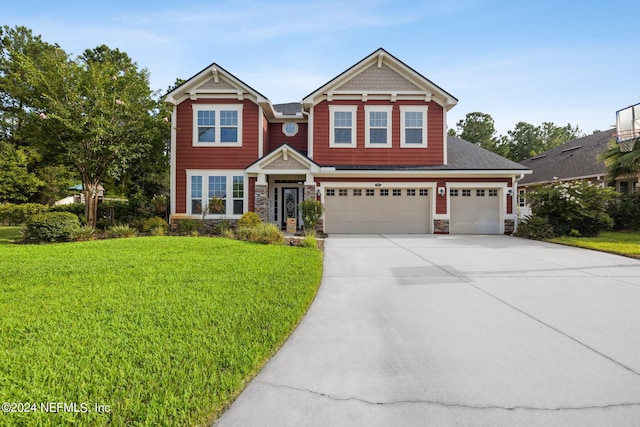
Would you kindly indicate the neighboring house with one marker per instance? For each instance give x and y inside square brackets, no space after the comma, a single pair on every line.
[370,144]
[575,160]
[78,195]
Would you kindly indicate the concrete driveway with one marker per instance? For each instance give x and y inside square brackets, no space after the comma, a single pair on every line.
[457,330]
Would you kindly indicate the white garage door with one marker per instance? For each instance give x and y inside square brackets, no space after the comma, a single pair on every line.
[377,210]
[474,211]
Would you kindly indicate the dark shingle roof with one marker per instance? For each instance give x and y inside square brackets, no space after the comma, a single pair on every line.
[575,159]
[289,109]
[461,155]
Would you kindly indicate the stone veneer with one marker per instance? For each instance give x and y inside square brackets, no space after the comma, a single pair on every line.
[261,204]
[509,226]
[440,226]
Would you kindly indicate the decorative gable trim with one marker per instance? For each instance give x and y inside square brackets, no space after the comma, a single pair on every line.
[284,159]
[381,76]
[211,83]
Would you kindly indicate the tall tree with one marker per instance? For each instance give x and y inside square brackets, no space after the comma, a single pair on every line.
[17,184]
[478,128]
[95,112]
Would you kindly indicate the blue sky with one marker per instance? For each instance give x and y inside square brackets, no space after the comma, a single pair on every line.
[557,61]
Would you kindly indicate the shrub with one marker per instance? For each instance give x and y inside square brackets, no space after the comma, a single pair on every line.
[249,219]
[576,205]
[229,234]
[122,231]
[626,212]
[19,214]
[153,223]
[189,226]
[221,227]
[83,234]
[535,227]
[158,231]
[312,211]
[265,233]
[309,240]
[52,227]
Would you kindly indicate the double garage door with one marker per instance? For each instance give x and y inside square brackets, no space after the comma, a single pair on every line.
[377,210]
[408,210]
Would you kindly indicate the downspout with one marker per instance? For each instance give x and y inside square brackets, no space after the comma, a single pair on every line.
[309,133]
[514,206]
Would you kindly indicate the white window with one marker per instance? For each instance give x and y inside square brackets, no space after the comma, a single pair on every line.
[480,193]
[411,192]
[384,192]
[369,192]
[331,192]
[290,128]
[493,193]
[453,192]
[413,126]
[217,125]
[342,121]
[216,192]
[342,192]
[424,192]
[396,192]
[378,126]
[466,193]
[357,192]
[522,198]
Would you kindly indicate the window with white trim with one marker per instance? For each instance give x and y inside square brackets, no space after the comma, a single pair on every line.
[396,192]
[384,192]
[342,192]
[480,192]
[369,192]
[377,126]
[342,122]
[357,192]
[413,126]
[217,125]
[453,192]
[331,192]
[411,192]
[466,192]
[424,192]
[210,191]
[493,192]
[522,198]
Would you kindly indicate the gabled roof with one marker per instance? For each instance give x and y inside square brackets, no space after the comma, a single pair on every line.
[288,154]
[413,80]
[213,80]
[463,156]
[576,159]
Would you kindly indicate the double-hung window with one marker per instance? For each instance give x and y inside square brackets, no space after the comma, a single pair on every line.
[217,125]
[216,193]
[342,121]
[413,124]
[378,126]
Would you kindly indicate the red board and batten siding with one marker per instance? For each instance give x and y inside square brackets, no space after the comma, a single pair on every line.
[325,155]
[190,157]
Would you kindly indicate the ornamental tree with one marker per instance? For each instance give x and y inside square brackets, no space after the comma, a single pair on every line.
[95,112]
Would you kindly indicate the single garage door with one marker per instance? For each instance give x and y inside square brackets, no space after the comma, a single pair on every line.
[474,211]
[377,210]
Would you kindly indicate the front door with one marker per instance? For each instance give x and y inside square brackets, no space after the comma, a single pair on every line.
[289,204]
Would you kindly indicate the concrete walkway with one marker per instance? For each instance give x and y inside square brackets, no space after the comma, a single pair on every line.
[458,330]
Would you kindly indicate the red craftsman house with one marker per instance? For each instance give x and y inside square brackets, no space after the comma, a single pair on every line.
[370,144]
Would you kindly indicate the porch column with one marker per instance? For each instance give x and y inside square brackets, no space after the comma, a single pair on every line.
[261,198]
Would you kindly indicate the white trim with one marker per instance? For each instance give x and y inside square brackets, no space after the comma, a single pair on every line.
[260,132]
[502,198]
[172,175]
[445,142]
[217,108]
[367,127]
[310,134]
[284,125]
[411,109]
[229,174]
[353,109]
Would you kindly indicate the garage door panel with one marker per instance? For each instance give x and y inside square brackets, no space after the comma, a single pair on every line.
[377,213]
[476,213]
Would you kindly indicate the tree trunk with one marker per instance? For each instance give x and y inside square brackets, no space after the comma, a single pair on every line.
[90,191]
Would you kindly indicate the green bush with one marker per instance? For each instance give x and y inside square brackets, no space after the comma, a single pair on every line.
[576,205]
[309,240]
[221,227]
[52,227]
[158,231]
[83,234]
[154,223]
[312,211]
[265,233]
[626,212]
[122,231]
[14,214]
[189,226]
[535,227]
[249,219]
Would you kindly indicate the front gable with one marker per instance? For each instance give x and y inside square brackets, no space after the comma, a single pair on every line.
[284,159]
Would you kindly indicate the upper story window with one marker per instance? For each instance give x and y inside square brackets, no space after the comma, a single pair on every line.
[378,126]
[342,123]
[217,125]
[290,128]
[413,124]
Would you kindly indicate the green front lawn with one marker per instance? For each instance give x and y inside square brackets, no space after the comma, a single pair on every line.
[9,234]
[163,330]
[617,242]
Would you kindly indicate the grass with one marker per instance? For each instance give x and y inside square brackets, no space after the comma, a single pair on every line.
[163,330]
[616,242]
[9,234]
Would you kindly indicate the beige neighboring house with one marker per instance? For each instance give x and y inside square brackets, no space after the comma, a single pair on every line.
[575,160]
[78,195]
